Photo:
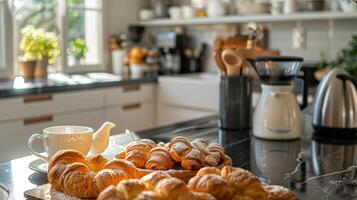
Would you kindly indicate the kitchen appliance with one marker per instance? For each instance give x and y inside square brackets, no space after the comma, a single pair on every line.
[335,103]
[277,115]
[171,57]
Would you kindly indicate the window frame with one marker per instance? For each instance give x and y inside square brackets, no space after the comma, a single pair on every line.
[6,71]
[64,11]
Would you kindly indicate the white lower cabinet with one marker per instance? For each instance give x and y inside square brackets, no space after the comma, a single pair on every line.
[134,116]
[170,114]
[14,134]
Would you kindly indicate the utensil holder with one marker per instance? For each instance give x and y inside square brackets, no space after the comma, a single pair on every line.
[235,103]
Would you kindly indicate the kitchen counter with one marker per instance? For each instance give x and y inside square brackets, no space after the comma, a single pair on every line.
[62,83]
[315,167]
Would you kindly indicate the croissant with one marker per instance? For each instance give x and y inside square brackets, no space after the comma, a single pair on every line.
[151,180]
[136,152]
[171,188]
[71,172]
[215,153]
[276,192]
[111,193]
[182,151]
[208,170]
[201,196]
[148,195]
[159,159]
[131,188]
[245,182]
[215,185]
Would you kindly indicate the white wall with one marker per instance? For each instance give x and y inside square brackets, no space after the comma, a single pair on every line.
[117,14]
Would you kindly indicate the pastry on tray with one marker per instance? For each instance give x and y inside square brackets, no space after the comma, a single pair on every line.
[72,173]
[180,157]
[210,183]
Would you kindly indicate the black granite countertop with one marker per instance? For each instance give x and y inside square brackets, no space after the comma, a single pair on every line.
[317,166]
[62,83]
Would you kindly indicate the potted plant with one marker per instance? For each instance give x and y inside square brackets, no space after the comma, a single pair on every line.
[346,59]
[27,67]
[39,45]
[78,50]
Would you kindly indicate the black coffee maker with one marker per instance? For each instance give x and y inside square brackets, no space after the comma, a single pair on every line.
[172,57]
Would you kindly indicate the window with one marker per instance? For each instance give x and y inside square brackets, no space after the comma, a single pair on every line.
[78,24]
[39,13]
[5,40]
[83,37]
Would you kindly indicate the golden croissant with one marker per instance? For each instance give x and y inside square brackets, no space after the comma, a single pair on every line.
[155,186]
[72,173]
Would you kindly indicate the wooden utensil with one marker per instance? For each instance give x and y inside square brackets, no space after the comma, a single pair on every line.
[233,60]
[218,48]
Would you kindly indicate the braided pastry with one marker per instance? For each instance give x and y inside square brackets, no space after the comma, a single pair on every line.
[200,144]
[136,152]
[182,151]
[215,154]
[159,159]
[71,172]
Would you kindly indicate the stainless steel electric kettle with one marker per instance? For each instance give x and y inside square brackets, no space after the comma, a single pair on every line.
[335,103]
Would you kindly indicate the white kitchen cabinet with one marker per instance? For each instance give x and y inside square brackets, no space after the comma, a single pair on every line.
[168,114]
[130,93]
[15,134]
[44,104]
[134,116]
[190,91]
[182,98]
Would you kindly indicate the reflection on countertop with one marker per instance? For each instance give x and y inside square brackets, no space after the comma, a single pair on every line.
[60,82]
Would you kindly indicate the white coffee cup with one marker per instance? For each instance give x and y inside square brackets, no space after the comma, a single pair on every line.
[59,138]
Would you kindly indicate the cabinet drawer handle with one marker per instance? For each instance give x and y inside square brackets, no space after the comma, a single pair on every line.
[131,88]
[37,120]
[38,98]
[133,106]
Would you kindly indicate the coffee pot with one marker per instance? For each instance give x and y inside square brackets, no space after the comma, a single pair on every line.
[277,115]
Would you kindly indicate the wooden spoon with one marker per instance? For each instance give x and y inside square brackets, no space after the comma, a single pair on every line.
[234,61]
[218,48]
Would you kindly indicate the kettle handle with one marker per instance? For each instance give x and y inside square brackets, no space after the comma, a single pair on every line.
[346,77]
[305,94]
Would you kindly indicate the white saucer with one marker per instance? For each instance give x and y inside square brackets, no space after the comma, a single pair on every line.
[39,166]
